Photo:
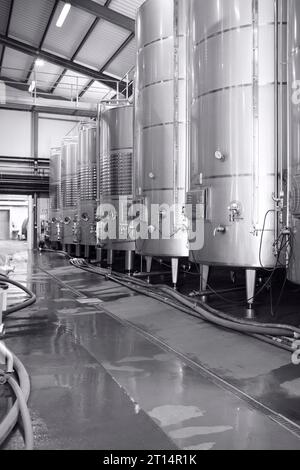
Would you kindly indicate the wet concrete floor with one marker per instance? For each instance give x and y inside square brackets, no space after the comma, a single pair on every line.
[114,370]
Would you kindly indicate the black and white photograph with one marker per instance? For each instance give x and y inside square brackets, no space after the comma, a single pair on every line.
[149,229]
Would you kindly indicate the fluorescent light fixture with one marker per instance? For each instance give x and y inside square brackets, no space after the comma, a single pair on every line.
[32,86]
[39,62]
[63,15]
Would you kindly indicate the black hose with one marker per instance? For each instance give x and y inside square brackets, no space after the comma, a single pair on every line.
[24,412]
[267,326]
[248,327]
[10,420]
[205,313]
[27,303]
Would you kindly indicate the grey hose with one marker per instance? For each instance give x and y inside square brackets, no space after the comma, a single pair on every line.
[26,420]
[27,303]
[204,312]
[9,422]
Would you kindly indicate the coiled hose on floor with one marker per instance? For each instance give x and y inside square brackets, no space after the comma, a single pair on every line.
[21,389]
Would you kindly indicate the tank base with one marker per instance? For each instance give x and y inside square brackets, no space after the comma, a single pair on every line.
[110,258]
[204,273]
[175,271]
[86,252]
[148,266]
[250,313]
[250,284]
[129,261]
[98,255]
[78,251]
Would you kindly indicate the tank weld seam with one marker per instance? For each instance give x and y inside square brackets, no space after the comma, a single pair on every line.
[233,175]
[121,149]
[227,88]
[162,189]
[234,28]
[171,123]
[159,82]
[163,38]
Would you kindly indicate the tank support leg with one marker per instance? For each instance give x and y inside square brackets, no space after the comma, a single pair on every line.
[175,270]
[129,261]
[86,251]
[251,283]
[110,258]
[98,255]
[78,251]
[204,273]
[148,266]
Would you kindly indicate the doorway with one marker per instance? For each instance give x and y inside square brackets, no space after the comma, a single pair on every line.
[4,224]
[14,217]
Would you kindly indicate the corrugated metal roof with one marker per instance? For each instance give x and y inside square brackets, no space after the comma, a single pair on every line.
[46,76]
[124,61]
[71,84]
[126,7]
[101,45]
[4,12]
[65,40]
[97,92]
[15,64]
[29,21]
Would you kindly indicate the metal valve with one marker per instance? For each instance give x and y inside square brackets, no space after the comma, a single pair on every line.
[219,156]
[85,217]
[235,210]
[221,229]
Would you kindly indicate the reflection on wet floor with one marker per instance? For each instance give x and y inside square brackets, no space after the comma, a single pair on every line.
[95,376]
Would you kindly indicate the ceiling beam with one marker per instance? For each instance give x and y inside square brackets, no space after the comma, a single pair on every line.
[43,37]
[54,59]
[7,30]
[110,60]
[24,87]
[49,110]
[105,13]
[91,29]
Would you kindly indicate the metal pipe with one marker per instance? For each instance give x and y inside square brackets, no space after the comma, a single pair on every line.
[276,114]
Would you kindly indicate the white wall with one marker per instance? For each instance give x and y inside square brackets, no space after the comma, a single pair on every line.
[15,133]
[51,133]
[17,214]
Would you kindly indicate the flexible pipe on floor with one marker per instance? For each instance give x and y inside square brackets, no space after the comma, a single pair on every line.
[27,303]
[26,420]
[207,313]
[202,312]
[9,422]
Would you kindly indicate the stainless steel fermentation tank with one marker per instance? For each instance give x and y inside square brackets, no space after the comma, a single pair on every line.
[87,185]
[161,124]
[116,182]
[236,130]
[69,157]
[294,137]
[56,223]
